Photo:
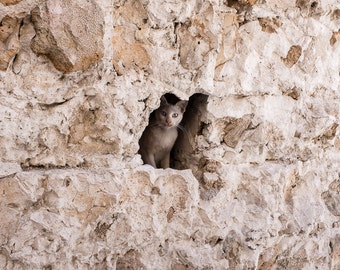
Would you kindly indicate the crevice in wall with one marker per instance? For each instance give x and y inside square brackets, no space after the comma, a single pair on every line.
[188,150]
[184,153]
[243,10]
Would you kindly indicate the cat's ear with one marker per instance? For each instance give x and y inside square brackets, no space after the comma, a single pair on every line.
[163,101]
[182,105]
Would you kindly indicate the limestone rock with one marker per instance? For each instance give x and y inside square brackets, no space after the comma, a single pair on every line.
[269,24]
[234,129]
[293,56]
[7,169]
[128,40]
[10,2]
[227,49]
[332,197]
[69,34]
[335,38]
[335,249]
[198,38]
[9,40]
[22,60]
[254,177]
[130,260]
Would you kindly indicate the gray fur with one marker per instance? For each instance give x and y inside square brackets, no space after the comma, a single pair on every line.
[160,135]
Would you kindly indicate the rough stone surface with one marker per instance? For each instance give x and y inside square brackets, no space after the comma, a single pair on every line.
[9,2]
[255,180]
[69,33]
[9,40]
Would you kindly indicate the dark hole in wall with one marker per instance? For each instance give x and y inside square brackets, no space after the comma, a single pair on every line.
[188,153]
[171,98]
[183,152]
[183,155]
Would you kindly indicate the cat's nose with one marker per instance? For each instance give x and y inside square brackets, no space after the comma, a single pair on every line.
[168,121]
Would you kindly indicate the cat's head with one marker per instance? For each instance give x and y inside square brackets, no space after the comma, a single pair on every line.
[169,115]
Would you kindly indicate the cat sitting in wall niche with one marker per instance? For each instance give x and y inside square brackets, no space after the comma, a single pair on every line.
[160,135]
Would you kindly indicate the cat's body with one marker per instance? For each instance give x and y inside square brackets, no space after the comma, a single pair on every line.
[160,135]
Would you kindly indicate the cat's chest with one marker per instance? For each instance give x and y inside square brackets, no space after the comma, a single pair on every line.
[164,138]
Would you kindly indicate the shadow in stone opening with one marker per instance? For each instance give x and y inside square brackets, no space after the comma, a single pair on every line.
[183,154]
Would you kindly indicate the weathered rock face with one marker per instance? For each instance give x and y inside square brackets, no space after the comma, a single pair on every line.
[69,33]
[9,2]
[9,40]
[255,176]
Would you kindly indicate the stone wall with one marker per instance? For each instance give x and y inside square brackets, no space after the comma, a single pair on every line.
[255,182]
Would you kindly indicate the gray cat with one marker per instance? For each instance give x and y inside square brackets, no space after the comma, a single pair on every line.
[160,135]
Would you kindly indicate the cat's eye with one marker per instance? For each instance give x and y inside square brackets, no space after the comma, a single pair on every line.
[174,115]
[163,113]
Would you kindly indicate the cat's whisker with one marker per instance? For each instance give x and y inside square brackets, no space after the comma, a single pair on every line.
[184,130]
